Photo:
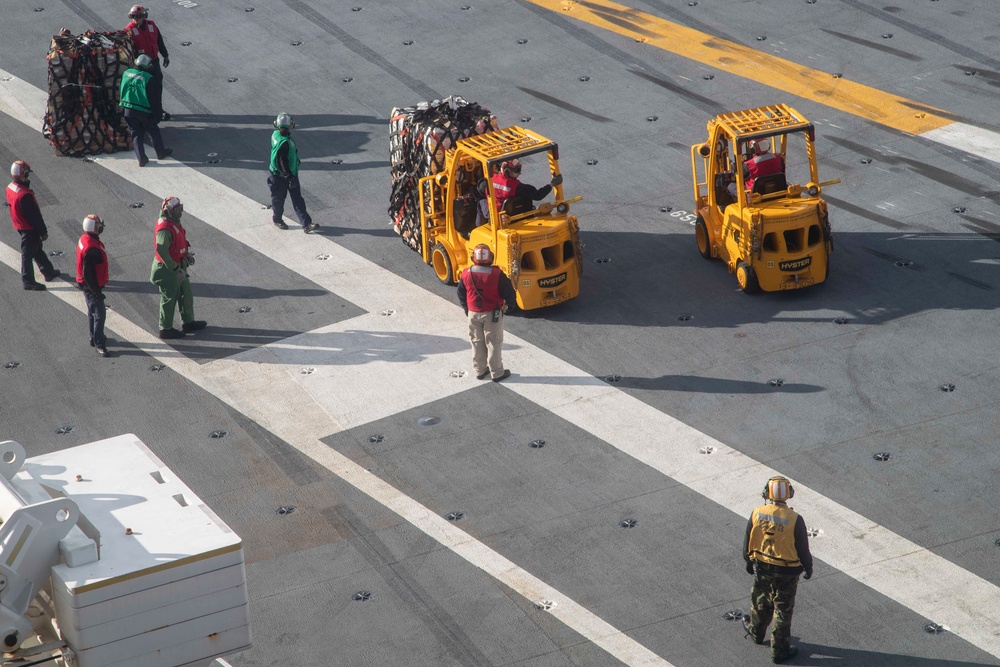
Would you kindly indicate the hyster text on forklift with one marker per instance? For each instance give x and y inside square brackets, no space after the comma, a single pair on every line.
[757,195]
[538,248]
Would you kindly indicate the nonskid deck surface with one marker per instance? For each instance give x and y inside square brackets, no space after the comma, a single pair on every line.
[590,509]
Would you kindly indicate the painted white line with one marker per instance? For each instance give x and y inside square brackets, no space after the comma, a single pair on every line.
[899,569]
[971,139]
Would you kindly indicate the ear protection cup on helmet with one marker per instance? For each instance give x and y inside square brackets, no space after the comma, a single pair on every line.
[93,223]
[20,169]
[510,167]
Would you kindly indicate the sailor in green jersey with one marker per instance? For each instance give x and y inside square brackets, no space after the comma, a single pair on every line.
[139,116]
[284,178]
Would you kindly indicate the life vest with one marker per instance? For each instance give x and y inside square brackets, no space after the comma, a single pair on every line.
[485,281]
[87,242]
[17,192]
[277,139]
[178,243]
[132,93]
[145,40]
[763,165]
[504,188]
[772,536]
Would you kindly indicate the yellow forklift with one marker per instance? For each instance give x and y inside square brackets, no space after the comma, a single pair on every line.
[538,248]
[758,199]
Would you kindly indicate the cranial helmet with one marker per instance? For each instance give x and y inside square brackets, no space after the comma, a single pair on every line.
[93,224]
[760,146]
[19,170]
[172,208]
[284,121]
[143,61]
[778,489]
[482,255]
[510,167]
[138,12]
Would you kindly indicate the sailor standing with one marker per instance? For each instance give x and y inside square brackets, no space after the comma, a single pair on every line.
[91,277]
[284,178]
[169,272]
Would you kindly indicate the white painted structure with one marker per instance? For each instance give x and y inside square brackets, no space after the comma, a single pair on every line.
[132,566]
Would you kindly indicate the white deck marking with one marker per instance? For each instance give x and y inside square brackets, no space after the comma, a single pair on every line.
[303,408]
[969,138]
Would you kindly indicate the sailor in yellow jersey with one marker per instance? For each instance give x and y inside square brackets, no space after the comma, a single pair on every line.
[776,550]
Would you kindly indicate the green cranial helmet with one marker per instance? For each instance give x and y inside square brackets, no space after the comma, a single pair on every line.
[143,61]
[284,121]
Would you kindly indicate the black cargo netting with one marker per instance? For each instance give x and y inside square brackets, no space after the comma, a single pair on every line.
[419,136]
[85,73]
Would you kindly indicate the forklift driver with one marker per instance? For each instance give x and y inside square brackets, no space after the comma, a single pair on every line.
[762,162]
[507,185]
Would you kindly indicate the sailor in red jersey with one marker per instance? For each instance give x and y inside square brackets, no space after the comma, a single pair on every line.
[91,277]
[147,39]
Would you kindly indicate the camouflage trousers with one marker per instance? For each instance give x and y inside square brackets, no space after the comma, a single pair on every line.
[773,595]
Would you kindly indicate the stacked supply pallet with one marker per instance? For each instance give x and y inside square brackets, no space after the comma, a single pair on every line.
[169,586]
[419,136]
[85,72]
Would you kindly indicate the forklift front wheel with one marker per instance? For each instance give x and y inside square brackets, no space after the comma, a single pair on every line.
[701,236]
[747,278]
[442,264]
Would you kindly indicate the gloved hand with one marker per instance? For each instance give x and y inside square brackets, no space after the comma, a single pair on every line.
[99,296]
[808,575]
[190,258]
[166,61]
[293,182]
[45,237]
[750,567]
[466,312]
[181,275]
[556,180]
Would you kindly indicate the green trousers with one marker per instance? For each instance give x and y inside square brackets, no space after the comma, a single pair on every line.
[174,294]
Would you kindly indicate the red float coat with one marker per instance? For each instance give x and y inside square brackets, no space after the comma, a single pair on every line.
[485,279]
[24,212]
[90,242]
[146,40]
[504,188]
[763,165]
[178,242]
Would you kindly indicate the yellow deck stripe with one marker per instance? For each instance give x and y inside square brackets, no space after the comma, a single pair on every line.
[854,98]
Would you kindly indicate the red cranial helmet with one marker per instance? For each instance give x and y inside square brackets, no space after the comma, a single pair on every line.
[482,255]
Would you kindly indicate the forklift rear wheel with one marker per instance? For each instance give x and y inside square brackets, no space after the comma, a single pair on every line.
[747,278]
[442,264]
[701,236]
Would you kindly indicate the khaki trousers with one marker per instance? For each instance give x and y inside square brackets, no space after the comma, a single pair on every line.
[487,339]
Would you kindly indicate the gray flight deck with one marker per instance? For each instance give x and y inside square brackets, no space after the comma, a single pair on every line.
[911,306]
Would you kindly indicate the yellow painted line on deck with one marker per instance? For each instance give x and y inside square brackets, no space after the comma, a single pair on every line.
[853,98]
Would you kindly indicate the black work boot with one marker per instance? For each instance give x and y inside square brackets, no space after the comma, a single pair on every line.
[194,325]
[170,334]
[784,655]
